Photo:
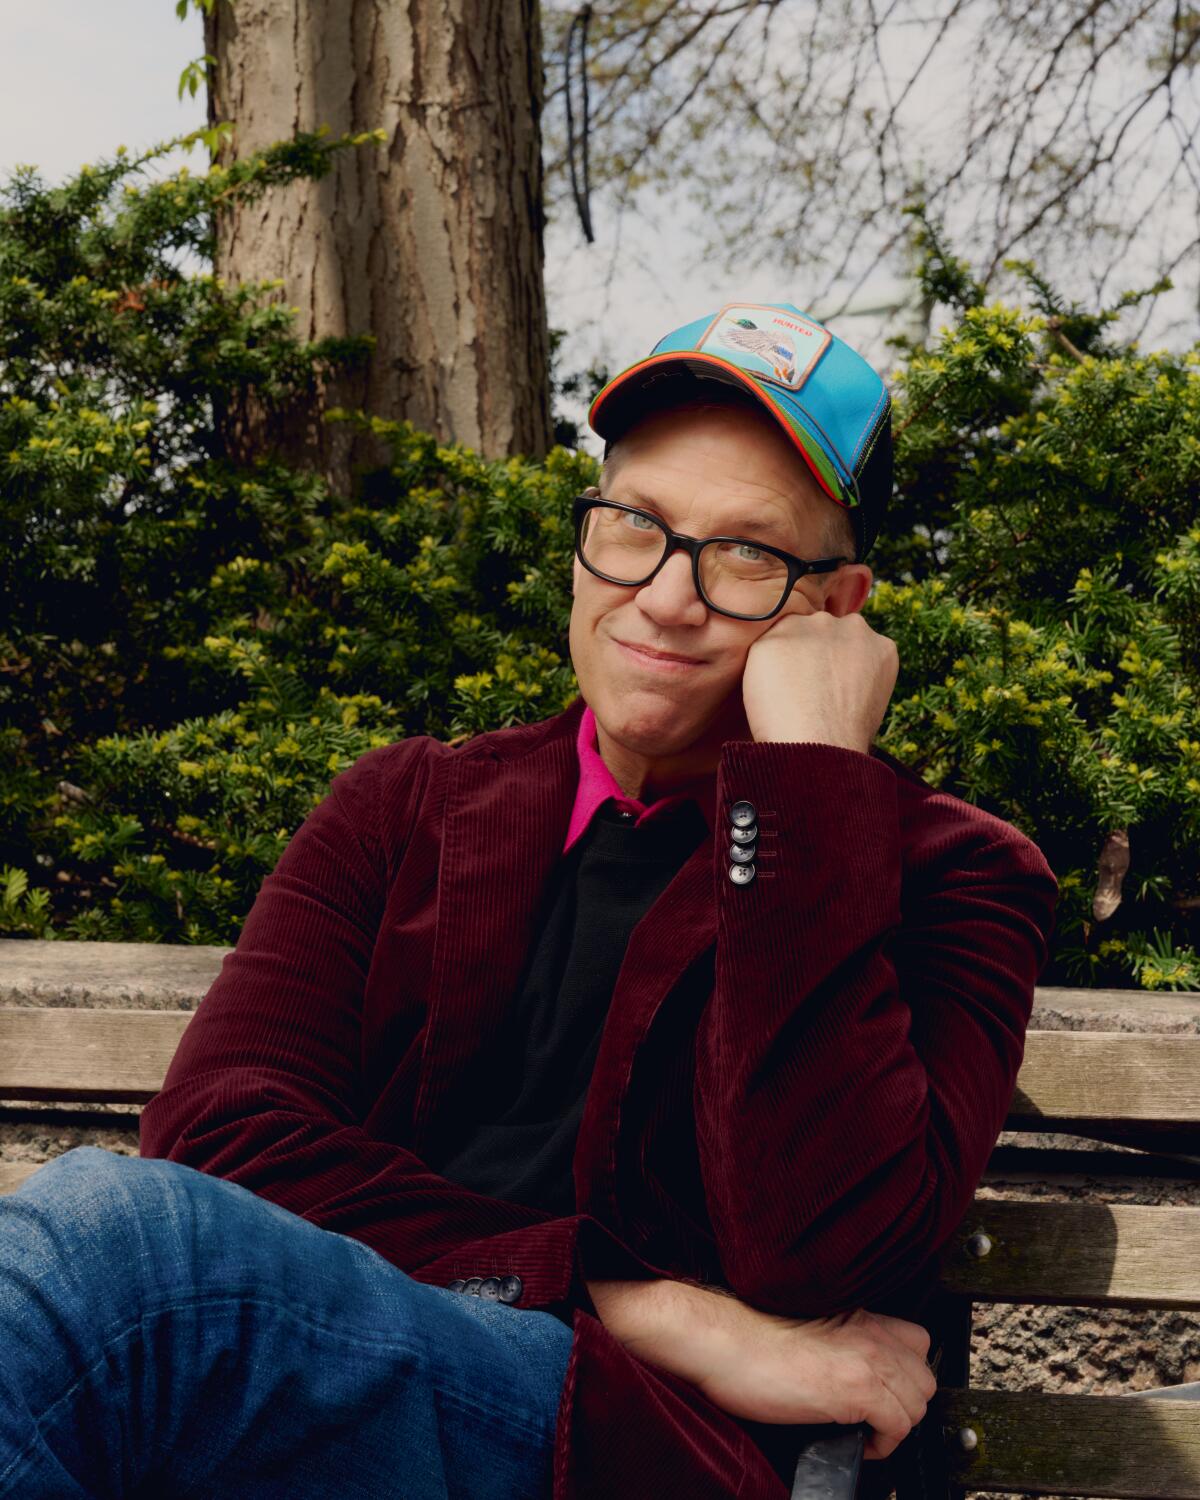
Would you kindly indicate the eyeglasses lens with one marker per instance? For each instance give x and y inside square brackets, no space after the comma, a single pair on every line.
[736,576]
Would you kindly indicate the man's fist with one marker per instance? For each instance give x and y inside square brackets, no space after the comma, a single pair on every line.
[856,1367]
[821,677]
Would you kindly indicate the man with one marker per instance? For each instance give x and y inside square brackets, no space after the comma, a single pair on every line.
[660,1045]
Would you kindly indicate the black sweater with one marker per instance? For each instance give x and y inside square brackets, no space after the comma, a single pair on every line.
[522,1145]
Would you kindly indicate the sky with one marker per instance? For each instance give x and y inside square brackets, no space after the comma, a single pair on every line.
[77,79]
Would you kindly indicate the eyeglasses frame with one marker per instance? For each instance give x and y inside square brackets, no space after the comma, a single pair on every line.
[678,541]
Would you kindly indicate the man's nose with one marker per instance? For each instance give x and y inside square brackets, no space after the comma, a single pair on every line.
[670,597]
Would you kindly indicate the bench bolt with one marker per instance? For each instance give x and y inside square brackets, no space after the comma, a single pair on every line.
[979,1245]
[968,1438]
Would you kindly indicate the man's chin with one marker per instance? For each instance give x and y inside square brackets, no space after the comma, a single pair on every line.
[652,724]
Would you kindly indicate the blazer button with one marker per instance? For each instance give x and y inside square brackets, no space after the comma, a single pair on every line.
[511,1288]
[456,1285]
[742,874]
[744,835]
[742,814]
[473,1285]
[741,854]
[490,1288]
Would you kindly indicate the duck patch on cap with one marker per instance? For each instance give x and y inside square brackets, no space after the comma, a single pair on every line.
[782,348]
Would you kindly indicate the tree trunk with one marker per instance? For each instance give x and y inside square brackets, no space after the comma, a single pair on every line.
[432,242]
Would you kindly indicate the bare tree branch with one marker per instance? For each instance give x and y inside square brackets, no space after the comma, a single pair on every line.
[1065,128]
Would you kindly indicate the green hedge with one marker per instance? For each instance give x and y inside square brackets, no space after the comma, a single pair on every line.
[189,651]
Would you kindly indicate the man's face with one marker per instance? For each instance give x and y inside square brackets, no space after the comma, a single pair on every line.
[719,472]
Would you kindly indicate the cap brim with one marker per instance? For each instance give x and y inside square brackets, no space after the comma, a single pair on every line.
[655,382]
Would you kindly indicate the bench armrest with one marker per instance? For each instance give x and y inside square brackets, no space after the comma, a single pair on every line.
[829,1463]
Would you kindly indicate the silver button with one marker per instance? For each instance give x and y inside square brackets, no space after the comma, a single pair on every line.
[742,814]
[511,1288]
[490,1288]
[744,835]
[741,854]
[741,874]
[456,1285]
[472,1286]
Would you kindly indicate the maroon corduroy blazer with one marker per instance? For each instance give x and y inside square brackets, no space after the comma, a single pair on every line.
[797,1088]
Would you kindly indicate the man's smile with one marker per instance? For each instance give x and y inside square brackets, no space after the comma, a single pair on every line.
[657,661]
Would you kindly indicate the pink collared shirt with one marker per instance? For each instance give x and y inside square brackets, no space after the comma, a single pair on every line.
[597,783]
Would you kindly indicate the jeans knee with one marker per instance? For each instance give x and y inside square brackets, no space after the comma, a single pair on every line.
[112,1213]
[164,1233]
[80,1175]
[88,1180]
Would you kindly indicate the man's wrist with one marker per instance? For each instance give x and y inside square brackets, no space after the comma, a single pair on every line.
[808,734]
[678,1325]
[630,1309]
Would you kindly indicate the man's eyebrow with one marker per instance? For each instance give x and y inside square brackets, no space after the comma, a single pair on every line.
[764,528]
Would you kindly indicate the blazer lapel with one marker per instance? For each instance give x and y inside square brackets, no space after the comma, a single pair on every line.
[507,806]
[673,934]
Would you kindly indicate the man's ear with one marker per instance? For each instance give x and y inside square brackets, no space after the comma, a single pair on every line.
[848,589]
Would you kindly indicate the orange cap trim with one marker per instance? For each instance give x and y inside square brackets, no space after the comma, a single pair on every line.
[747,382]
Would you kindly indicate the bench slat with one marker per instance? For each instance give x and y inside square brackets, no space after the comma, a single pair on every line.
[1073,1254]
[1084,1254]
[1107,1076]
[119,1056]
[122,1055]
[1036,1442]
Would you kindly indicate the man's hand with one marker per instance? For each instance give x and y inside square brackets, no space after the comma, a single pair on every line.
[821,677]
[855,1367]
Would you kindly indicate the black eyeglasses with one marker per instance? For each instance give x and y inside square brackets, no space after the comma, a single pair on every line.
[734,575]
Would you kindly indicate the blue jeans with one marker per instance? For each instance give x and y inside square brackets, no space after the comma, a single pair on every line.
[165,1332]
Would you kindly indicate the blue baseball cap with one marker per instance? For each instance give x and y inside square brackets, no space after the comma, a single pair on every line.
[825,396]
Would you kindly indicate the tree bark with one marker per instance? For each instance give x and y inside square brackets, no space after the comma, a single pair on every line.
[431,242]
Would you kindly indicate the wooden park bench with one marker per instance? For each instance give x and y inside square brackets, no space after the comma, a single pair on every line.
[1139,1092]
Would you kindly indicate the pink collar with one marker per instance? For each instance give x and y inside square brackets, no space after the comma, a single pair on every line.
[597,783]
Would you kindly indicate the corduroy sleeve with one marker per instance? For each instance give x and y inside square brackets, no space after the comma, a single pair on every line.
[266,1089]
[857,1059]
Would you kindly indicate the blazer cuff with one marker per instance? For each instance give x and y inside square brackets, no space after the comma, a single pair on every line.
[554,1260]
[812,809]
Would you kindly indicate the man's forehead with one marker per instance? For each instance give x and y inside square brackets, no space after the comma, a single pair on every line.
[770,519]
[731,426]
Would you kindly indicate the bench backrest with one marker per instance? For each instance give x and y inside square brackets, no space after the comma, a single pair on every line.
[1134,1090]
[1120,1086]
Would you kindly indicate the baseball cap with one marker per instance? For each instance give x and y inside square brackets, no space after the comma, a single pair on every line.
[825,396]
